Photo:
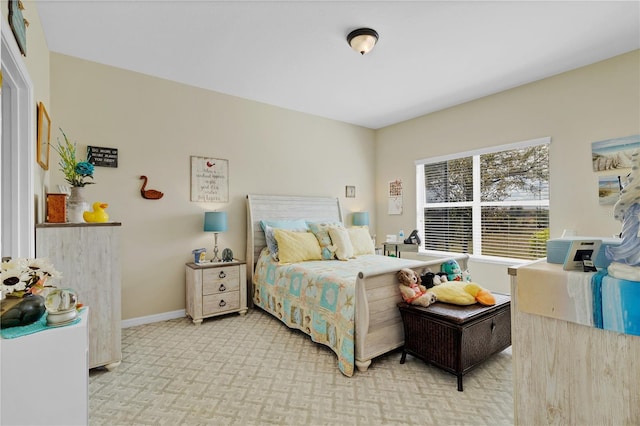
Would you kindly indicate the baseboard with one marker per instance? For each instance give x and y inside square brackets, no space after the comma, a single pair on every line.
[153,318]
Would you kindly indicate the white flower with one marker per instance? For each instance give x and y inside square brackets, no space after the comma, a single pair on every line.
[24,275]
[14,280]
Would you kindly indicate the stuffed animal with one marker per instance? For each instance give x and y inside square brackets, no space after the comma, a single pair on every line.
[412,290]
[463,293]
[452,269]
[429,279]
[482,296]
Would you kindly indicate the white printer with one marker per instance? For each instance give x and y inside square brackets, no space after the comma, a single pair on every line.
[557,249]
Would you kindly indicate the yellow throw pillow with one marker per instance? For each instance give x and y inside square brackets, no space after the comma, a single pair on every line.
[297,246]
[453,292]
[340,239]
[361,240]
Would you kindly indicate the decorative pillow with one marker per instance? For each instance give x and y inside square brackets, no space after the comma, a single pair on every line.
[361,240]
[321,231]
[269,225]
[453,292]
[296,246]
[340,239]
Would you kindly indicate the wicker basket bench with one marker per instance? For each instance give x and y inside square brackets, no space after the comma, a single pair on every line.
[456,338]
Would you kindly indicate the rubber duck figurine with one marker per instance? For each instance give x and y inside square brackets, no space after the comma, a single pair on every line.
[98,214]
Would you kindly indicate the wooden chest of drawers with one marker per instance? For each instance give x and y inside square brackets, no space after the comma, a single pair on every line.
[456,338]
[215,289]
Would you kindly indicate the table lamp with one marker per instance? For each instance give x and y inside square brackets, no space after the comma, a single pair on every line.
[361,219]
[215,222]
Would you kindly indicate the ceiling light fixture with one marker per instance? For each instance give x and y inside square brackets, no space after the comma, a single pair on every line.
[362,40]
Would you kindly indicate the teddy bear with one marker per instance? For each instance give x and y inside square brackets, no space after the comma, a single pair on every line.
[452,269]
[429,279]
[412,290]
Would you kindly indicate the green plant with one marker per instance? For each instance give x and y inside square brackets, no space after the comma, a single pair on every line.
[75,172]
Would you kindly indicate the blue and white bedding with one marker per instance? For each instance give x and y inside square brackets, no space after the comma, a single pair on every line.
[318,297]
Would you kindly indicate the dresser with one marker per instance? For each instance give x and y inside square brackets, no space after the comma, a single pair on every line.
[215,289]
[565,372]
[88,256]
[45,377]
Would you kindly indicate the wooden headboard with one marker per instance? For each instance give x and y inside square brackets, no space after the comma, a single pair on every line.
[274,207]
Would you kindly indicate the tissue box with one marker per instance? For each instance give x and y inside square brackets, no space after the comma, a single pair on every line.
[558,248]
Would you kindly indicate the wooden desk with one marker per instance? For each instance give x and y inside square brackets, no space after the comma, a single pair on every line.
[399,248]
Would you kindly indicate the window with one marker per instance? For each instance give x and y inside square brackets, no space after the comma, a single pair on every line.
[493,202]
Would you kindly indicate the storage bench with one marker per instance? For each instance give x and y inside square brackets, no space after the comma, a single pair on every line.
[456,338]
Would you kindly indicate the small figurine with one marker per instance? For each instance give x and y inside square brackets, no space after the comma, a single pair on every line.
[227,255]
[98,214]
[149,194]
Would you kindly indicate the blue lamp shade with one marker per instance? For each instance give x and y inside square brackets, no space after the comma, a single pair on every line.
[215,221]
[361,218]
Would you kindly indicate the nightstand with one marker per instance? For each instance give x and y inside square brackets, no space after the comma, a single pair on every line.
[215,289]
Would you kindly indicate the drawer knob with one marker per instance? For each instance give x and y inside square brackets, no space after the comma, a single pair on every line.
[222,274]
[222,303]
[222,288]
[493,326]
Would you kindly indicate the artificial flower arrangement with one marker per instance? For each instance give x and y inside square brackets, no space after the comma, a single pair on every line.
[75,172]
[22,276]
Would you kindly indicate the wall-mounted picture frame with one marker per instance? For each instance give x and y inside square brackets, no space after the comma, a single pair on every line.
[44,134]
[609,188]
[350,191]
[209,180]
[612,154]
[17,24]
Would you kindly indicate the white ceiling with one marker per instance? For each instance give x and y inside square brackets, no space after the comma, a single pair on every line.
[294,54]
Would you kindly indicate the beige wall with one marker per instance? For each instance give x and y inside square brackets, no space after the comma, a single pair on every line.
[156,126]
[576,108]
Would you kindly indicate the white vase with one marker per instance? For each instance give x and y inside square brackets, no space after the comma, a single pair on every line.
[76,205]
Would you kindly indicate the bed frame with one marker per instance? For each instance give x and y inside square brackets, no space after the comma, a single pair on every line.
[378,325]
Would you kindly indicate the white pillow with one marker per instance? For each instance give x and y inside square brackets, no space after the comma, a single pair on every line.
[361,240]
[340,238]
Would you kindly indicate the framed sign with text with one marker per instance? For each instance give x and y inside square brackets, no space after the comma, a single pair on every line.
[209,180]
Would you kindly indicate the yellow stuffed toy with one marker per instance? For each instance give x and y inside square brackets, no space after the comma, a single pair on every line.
[463,293]
[482,296]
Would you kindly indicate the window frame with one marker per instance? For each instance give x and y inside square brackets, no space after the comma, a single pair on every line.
[477,202]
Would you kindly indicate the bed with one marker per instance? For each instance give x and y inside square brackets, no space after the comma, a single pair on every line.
[361,320]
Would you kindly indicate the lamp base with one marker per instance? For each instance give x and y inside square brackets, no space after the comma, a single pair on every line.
[215,249]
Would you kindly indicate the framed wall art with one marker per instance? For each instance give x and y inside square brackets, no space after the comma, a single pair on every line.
[614,154]
[209,180]
[44,134]
[395,197]
[350,191]
[18,25]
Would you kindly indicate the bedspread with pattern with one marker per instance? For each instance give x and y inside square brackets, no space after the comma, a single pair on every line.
[318,297]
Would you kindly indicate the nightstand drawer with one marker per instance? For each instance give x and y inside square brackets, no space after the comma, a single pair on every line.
[220,280]
[220,302]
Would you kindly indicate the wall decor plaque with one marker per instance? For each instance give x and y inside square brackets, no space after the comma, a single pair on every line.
[209,180]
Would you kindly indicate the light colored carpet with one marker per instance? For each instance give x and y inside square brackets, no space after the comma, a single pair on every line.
[252,369]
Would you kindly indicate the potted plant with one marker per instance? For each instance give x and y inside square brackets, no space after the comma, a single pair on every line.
[76,173]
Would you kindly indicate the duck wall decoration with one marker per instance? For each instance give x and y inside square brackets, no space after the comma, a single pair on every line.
[98,214]
[149,194]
